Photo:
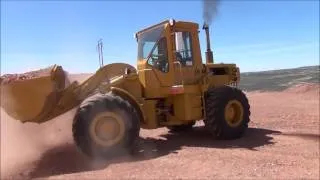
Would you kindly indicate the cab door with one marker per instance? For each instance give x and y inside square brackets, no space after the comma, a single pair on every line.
[160,60]
[186,61]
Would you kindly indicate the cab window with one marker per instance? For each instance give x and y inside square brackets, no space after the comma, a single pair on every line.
[183,48]
[159,56]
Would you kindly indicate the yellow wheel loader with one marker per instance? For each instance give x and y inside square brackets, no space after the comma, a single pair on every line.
[170,87]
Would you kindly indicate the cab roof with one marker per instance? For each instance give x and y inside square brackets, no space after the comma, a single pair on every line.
[178,24]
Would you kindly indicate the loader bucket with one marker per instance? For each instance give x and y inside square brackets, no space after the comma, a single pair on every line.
[28,99]
[42,95]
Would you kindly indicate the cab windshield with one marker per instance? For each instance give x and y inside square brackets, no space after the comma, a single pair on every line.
[147,41]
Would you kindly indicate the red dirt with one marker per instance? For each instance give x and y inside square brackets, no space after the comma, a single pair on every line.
[304,88]
[8,78]
[281,143]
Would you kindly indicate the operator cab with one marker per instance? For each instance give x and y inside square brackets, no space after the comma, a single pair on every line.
[171,50]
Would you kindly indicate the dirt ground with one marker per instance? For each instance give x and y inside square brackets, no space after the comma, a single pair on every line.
[281,143]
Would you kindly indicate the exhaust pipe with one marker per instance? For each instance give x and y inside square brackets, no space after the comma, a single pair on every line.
[209,55]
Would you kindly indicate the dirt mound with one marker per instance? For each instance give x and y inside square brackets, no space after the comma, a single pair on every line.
[47,71]
[79,77]
[304,88]
[301,88]
[8,78]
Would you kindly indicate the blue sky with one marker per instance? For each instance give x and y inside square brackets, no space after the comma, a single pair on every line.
[256,35]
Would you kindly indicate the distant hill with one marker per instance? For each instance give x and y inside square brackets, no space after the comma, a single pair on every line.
[277,80]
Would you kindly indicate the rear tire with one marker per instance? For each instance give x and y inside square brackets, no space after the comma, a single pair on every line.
[218,120]
[105,108]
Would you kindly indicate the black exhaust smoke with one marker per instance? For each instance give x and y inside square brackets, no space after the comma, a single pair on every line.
[209,12]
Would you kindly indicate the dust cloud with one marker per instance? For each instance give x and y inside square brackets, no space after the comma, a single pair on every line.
[27,148]
[22,145]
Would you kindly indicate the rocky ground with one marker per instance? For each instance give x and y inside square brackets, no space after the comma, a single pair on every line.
[281,143]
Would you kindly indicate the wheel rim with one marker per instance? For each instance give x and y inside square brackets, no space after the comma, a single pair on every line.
[107,129]
[233,113]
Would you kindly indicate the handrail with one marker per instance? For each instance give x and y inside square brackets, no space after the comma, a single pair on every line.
[178,62]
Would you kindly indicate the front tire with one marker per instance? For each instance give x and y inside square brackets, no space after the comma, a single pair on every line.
[227,112]
[105,125]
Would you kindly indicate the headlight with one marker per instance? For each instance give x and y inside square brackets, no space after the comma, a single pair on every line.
[171,22]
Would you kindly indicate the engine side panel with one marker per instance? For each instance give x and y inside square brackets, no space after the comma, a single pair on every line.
[222,74]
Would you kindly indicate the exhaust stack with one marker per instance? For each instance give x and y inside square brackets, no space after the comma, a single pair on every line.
[209,55]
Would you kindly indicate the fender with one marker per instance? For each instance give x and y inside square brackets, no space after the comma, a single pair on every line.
[131,99]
